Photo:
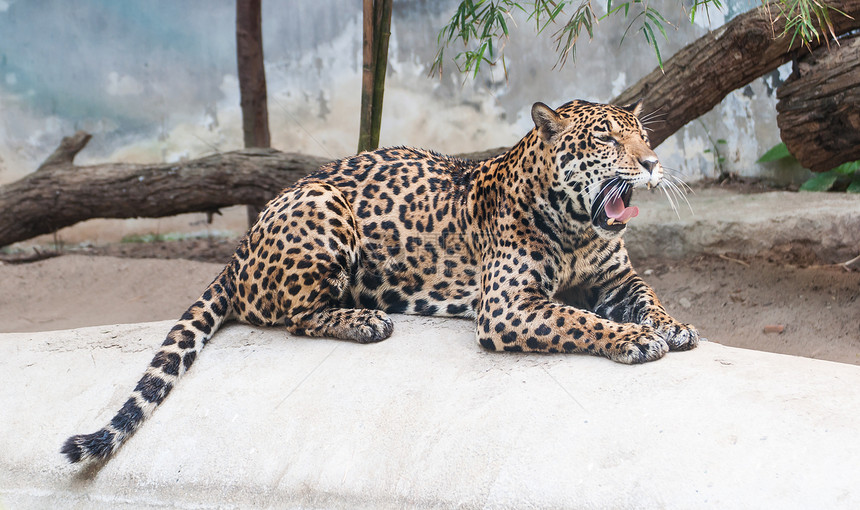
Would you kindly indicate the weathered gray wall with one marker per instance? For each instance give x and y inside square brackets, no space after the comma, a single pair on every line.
[156,81]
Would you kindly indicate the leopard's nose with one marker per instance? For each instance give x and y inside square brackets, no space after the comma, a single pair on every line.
[649,164]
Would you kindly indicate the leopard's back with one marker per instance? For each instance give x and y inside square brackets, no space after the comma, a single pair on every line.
[410,243]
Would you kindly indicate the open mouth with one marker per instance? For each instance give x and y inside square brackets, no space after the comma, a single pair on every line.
[612,209]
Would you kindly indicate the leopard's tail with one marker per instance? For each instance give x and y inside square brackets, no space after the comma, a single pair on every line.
[177,353]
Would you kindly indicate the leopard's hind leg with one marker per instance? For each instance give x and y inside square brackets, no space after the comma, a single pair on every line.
[301,257]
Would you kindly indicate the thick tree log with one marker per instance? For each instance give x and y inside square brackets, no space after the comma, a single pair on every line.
[819,107]
[701,74]
[60,194]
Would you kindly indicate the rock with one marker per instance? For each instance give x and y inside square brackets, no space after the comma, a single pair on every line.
[827,225]
[426,419]
[774,328]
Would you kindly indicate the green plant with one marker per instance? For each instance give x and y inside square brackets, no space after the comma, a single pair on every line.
[143,238]
[483,25]
[802,16]
[845,176]
[714,150]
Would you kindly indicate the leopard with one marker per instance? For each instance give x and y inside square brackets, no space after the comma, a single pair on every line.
[403,230]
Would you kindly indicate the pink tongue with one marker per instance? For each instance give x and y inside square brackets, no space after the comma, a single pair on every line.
[615,209]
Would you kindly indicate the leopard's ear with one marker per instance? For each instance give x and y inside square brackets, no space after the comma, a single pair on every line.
[546,120]
[635,108]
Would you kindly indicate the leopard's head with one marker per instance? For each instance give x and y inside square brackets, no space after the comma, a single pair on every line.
[599,153]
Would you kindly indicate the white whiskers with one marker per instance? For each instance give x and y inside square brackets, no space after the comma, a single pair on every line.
[675,190]
[619,187]
[672,186]
[598,184]
[653,117]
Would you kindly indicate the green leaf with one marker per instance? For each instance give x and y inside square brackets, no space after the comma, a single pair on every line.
[778,151]
[652,41]
[501,20]
[854,187]
[847,168]
[657,19]
[821,182]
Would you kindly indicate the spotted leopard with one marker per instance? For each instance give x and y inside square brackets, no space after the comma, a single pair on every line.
[405,230]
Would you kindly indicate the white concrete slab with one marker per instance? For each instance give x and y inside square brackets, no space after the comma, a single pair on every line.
[426,419]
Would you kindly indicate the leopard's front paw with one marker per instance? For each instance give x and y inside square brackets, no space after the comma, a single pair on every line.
[680,337]
[638,344]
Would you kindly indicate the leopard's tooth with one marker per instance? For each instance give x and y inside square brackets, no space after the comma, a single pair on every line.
[624,222]
[610,221]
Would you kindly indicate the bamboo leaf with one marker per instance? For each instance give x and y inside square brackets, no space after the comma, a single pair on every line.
[658,24]
[652,41]
[776,152]
[501,20]
[821,182]
[847,168]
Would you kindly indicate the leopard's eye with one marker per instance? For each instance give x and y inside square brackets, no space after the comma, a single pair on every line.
[605,138]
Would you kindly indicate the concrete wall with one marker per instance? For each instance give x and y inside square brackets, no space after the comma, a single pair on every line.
[156,81]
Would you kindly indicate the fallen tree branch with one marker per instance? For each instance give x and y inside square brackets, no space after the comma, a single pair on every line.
[60,193]
[701,74]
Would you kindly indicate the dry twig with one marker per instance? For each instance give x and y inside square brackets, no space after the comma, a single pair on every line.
[731,259]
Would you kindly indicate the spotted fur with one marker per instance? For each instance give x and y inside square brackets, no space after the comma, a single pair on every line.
[404,230]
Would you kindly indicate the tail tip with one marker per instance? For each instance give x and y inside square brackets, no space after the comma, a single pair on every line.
[81,447]
[72,450]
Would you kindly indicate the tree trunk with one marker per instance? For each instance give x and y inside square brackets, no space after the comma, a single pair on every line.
[376,31]
[252,80]
[252,73]
[819,107]
[701,74]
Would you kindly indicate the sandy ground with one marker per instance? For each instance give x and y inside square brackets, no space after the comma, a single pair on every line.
[730,301]
[816,308]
